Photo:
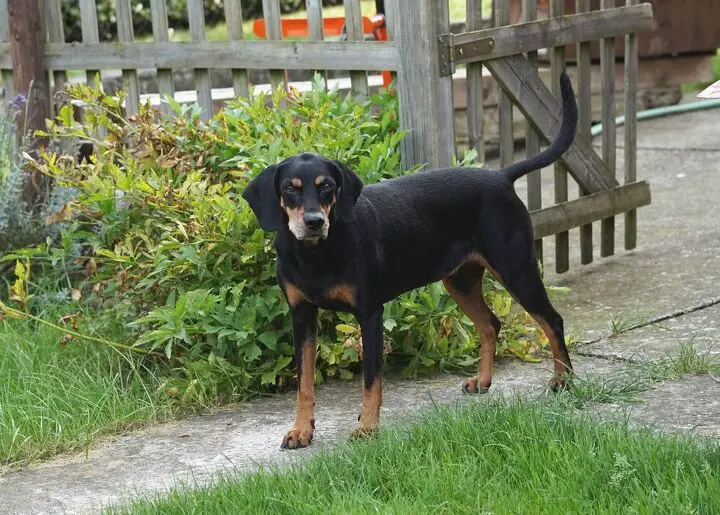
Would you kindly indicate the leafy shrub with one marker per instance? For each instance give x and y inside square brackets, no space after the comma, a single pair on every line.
[20,225]
[176,11]
[173,252]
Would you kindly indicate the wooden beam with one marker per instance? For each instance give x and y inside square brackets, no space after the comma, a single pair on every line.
[552,32]
[584,210]
[331,55]
[30,80]
[518,78]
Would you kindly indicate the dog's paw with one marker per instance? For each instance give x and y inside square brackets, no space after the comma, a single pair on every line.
[558,383]
[362,432]
[297,438]
[472,385]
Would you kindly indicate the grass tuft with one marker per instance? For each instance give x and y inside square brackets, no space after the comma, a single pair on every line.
[55,400]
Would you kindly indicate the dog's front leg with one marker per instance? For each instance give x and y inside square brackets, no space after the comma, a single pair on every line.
[372,337]
[304,319]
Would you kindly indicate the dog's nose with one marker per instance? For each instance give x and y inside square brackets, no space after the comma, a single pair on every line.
[314,221]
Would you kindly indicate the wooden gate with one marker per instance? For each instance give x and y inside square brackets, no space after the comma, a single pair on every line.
[510,53]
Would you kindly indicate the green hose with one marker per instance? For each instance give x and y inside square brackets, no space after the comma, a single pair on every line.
[663,111]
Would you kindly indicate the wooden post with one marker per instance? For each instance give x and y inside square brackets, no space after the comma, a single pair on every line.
[29,79]
[425,96]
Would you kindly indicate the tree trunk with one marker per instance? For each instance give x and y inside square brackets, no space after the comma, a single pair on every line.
[30,80]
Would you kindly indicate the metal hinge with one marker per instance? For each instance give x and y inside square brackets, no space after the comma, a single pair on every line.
[445,49]
[449,52]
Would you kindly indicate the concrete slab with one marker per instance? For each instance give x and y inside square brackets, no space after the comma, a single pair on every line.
[689,405]
[700,328]
[193,450]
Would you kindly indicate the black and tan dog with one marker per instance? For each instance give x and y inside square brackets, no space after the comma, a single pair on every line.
[345,248]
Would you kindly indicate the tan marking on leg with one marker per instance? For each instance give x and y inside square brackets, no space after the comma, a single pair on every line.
[474,306]
[344,293]
[561,368]
[301,433]
[294,295]
[296,182]
[370,414]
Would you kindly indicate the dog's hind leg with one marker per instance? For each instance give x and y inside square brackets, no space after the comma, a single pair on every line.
[465,286]
[519,273]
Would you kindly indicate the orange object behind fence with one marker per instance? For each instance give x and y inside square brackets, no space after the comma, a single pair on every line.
[298,27]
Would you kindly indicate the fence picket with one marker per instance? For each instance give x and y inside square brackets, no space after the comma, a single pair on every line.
[234,20]
[474,87]
[532,140]
[125,34]
[354,28]
[557,65]
[505,114]
[166,87]
[55,34]
[6,73]
[607,70]
[196,17]
[90,34]
[585,116]
[315,23]
[273,29]
[631,67]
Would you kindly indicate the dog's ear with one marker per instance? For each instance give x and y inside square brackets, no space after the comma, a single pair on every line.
[349,188]
[264,199]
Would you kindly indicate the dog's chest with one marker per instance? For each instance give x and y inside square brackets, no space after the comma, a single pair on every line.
[335,295]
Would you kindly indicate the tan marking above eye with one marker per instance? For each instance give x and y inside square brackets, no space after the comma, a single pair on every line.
[319,180]
[296,182]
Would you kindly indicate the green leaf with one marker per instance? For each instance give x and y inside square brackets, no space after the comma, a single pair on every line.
[389,324]
[269,339]
[346,329]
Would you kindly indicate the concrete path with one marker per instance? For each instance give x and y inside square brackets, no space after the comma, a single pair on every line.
[674,274]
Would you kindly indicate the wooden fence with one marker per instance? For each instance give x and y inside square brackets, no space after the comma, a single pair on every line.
[424,53]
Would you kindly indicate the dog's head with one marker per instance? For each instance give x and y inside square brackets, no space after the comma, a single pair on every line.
[306,192]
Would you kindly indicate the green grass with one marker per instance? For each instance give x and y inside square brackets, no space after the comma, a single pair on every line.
[500,457]
[54,399]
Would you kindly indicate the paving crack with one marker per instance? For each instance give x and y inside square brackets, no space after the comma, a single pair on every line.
[652,321]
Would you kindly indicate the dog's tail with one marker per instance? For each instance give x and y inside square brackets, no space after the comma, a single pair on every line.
[561,143]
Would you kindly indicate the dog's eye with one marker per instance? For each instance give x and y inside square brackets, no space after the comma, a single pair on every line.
[289,188]
[325,186]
